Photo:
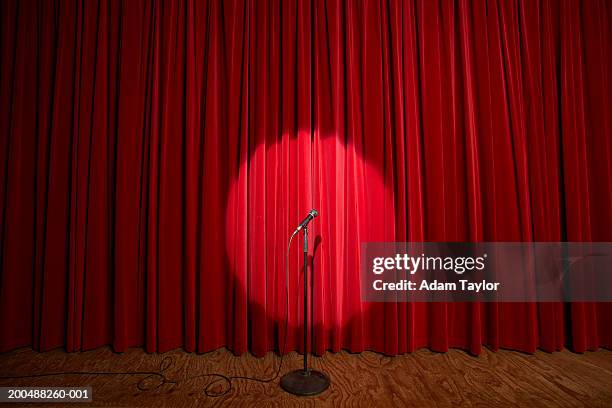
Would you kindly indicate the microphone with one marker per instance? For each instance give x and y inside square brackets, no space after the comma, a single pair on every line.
[311,214]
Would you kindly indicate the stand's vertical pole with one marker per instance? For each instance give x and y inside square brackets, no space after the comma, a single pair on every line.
[306,300]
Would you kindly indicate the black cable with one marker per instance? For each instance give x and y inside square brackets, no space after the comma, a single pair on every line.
[168,361]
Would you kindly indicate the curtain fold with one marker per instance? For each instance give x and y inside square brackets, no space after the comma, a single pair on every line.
[156,155]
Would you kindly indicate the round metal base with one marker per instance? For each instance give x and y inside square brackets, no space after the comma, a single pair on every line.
[300,382]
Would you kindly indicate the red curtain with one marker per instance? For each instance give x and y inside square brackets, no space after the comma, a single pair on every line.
[157,154]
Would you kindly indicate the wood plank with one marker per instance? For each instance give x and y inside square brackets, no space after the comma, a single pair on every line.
[423,378]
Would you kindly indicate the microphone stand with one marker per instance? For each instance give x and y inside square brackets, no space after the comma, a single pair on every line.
[305,382]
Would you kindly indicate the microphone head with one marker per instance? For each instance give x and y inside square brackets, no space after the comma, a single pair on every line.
[313,212]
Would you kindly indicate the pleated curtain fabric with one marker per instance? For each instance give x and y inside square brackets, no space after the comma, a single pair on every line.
[156,155]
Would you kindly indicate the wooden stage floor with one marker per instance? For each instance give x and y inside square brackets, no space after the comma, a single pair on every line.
[422,378]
